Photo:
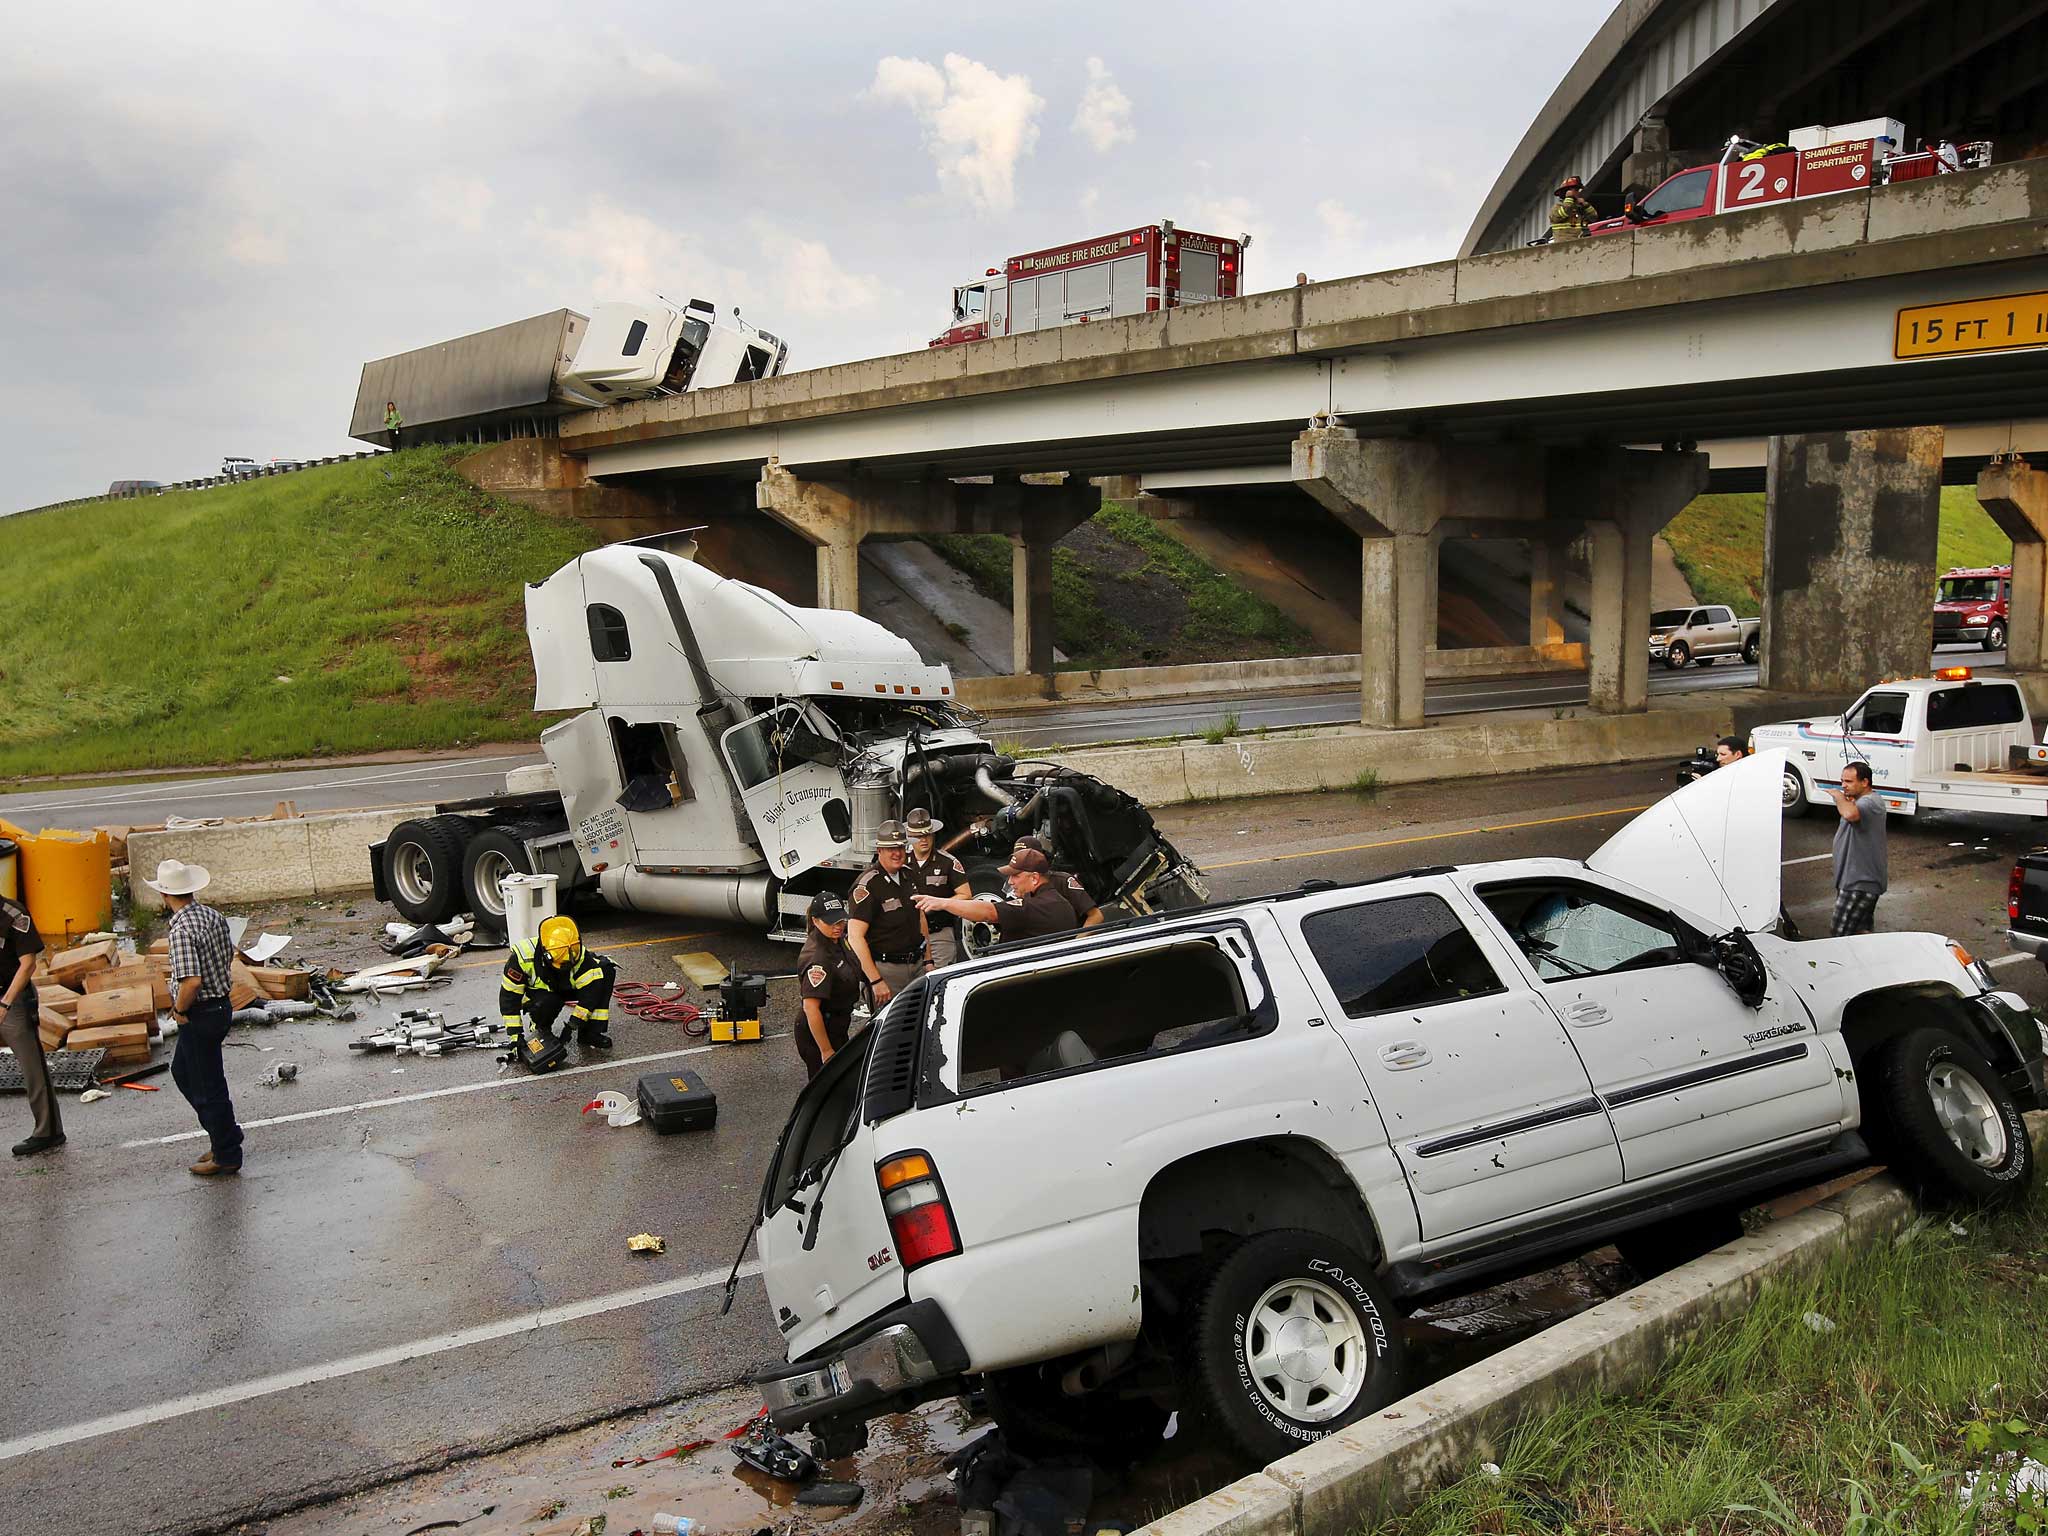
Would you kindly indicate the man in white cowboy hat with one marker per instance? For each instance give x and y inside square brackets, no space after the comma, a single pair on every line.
[202,951]
[935,873]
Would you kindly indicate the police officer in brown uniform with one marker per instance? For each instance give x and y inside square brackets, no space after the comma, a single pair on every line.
[884,928]
[937,873]
[827,984]
[1032,908]
[19,946]
[1068,884]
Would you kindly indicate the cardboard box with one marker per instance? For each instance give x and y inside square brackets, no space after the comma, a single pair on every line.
[124,1043]
[123,1005]
[129,973]
[51,1028]
[161,947]
[74,964]
[282,982]
[242,989]
[53,999]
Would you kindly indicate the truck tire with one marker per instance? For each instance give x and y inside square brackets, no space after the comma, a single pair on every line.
[984,878]
[1296,1338]
[1038,1419]
[1750,650]
[1994,637]
[1792,794]
[423,862]
[1944,1122]
[1677,657]
[490,857]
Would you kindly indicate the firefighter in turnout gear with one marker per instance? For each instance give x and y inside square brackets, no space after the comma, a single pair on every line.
[541,978]
[1571,213]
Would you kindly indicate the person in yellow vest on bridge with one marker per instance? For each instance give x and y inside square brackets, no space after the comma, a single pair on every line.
[541,977]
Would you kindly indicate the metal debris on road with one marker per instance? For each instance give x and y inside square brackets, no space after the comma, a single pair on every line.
[93,1095]
[646,1242]
[282,1072]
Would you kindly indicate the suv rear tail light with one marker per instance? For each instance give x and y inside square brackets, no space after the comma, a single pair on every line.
[915,1202]
[2012,892]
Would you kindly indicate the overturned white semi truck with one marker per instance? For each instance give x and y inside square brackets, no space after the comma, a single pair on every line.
[733,755]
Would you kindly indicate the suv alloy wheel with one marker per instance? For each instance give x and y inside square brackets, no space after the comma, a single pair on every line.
[1296,1338]
[1945,1122]
[1677,657]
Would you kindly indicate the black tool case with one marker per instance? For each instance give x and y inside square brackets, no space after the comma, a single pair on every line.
[677,1101]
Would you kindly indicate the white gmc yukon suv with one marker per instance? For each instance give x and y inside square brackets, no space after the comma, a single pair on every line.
[1205,1159]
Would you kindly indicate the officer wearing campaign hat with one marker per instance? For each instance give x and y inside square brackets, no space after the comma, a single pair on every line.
[1032,909]
[936,873]
[884,929]
[827,984]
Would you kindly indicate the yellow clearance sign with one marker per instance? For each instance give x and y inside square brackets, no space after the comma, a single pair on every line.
[1972,325]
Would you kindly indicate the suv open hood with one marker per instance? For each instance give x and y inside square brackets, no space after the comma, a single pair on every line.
[1712,848]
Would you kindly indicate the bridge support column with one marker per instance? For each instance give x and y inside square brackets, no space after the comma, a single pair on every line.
[1391,492]
[1546,593]
[1031,639]
[1850,526]
[1627,496]
[2016,496]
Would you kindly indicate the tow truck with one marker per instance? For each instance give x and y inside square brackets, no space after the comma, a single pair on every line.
[1813,162]
[732,755]
[1947,742]
[1132,272]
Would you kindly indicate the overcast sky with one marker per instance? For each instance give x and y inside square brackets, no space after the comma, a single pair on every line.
[211,216]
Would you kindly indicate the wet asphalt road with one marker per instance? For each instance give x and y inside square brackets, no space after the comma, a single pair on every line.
[419,1277]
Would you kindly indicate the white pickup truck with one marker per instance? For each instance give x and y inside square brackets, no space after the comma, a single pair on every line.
[1681,637]
[1950,742]
[1204,1160]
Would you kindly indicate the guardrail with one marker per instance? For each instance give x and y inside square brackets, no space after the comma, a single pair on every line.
[208,483]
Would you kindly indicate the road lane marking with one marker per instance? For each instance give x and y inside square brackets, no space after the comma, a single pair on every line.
[1811,858]
[372,1360]
[1428,837]
[441,1093]
[2012,959]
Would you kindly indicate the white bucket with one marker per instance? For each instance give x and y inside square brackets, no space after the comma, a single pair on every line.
[529,902]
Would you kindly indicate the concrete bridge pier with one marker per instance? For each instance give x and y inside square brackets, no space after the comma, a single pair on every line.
[1546,593]
[835,516]
[2016,496]
[1626,496]
[1850,527]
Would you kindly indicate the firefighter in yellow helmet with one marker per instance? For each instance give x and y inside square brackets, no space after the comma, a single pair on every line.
[543,976]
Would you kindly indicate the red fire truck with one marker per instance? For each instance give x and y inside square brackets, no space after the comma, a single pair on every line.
[1129,273]
[1845,157]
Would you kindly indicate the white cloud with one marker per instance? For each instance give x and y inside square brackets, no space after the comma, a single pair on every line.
[1104,116]
[1339,222]
[1224,215]
[253,245]
[809,280]
[977,123]
[1089,199]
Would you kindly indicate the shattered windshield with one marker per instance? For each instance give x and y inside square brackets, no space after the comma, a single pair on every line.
[1570,931]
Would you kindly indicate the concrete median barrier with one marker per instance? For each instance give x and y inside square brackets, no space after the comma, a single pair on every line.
[271,860]
[1385,1465]
[1335,757]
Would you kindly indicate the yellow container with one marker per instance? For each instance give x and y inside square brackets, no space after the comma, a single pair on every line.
[67,883]
[732,1031]
[10,869]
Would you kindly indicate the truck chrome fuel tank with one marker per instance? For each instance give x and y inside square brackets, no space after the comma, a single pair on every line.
[748,899]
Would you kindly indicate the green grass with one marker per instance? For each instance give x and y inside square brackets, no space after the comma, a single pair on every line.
[349,608]
[1222,619]
[1938,1359]
[1367,783]
[1222,730]
[1719,543]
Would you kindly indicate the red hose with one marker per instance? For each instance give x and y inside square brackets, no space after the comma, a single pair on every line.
[645,1001]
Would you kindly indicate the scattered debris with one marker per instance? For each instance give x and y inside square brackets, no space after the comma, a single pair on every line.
[618,1109]
[832,1495]
[666,1524]
[1958,1229]
[265,947]
[449,1525]
[398,975]
[1490,1468]
[594,1526]
[282,1072]
[2005,1480]
[421,1032]
[646,1242]
[1818,1323]
[405,940]
[774,1454]
[93,1095]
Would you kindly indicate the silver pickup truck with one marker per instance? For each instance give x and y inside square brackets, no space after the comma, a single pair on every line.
[1682,636]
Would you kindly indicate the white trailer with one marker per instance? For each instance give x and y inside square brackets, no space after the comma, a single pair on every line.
[731,755]
[1950,742]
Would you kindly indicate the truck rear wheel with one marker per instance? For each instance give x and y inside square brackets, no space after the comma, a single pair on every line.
[1994,637]
[1792,794]
[1945,1123]
[491,857]
[423,864]
[1750,648]
[1677,657]
[1296,1338]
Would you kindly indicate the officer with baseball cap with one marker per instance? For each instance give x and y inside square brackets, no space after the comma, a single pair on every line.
[884,928]
[1066,883]
[1033,908]
[937,873]
[827,984]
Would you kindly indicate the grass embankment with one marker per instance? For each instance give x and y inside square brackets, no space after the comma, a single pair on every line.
[1936,1362]
[1126,595]
[1719,542]
[350,608]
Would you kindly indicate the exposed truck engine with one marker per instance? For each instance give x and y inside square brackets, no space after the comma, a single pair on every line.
[731,755]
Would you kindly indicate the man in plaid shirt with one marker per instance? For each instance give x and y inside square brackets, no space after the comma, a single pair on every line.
[201,954]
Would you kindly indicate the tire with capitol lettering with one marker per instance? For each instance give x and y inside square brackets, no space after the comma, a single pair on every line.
[1296,1337]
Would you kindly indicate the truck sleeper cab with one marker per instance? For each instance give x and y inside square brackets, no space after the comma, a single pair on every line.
[1204,1161]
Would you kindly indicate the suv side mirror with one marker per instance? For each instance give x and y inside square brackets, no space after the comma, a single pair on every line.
[1634,213]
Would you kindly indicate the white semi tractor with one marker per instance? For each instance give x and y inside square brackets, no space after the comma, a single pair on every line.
[731,755]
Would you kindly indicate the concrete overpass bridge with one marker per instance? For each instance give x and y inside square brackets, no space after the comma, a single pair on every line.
[1488,395]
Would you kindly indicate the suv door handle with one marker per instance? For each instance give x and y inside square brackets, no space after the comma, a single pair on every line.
[1404,1054]
[1586,1013]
